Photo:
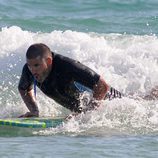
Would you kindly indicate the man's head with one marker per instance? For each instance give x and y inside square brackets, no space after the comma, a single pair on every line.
[39,61]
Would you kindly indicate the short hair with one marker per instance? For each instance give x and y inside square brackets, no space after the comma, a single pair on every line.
[38,49]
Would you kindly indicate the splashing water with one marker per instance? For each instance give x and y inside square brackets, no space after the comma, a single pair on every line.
[127,62]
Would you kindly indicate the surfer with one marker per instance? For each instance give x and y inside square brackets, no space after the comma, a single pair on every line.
[63,79]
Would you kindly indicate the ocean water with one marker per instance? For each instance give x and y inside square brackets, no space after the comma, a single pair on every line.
[116,38]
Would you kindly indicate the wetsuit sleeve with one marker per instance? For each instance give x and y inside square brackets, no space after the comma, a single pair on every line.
[82,73]
[26,80]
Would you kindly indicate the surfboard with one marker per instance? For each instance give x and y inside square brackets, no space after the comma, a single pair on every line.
[31,122]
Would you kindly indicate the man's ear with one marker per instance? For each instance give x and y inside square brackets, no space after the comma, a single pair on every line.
[49,61]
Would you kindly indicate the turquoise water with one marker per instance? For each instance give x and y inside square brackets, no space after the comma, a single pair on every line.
[116,38]
[103,16]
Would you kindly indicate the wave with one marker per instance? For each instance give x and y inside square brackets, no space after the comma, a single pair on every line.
[127,62]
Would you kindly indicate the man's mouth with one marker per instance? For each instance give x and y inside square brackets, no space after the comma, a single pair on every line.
[36,76]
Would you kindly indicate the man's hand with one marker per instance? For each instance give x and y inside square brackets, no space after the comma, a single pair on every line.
[29,114]
[70,116]
[30,102]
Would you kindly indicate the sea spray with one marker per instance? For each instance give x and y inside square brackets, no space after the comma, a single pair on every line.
[127,62]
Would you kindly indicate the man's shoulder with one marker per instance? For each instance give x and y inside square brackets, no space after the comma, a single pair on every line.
[25,66]
[26,70]
[61,59]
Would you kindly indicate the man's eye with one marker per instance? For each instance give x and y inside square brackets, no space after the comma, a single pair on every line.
[36,65]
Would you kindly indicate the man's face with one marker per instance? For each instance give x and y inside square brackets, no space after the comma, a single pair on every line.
[38,68]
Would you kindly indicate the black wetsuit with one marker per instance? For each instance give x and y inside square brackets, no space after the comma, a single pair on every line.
[59,84]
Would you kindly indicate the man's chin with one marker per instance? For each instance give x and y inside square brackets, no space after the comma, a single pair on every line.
[40,80]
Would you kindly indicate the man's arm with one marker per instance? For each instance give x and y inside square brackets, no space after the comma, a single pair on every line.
[30,102]
[100,89]
[104,91]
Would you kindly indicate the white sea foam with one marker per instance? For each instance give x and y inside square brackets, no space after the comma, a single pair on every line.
[127,62]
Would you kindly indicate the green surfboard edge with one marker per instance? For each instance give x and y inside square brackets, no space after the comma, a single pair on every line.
[32,122]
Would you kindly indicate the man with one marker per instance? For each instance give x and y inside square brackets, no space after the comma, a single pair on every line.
[60,78]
